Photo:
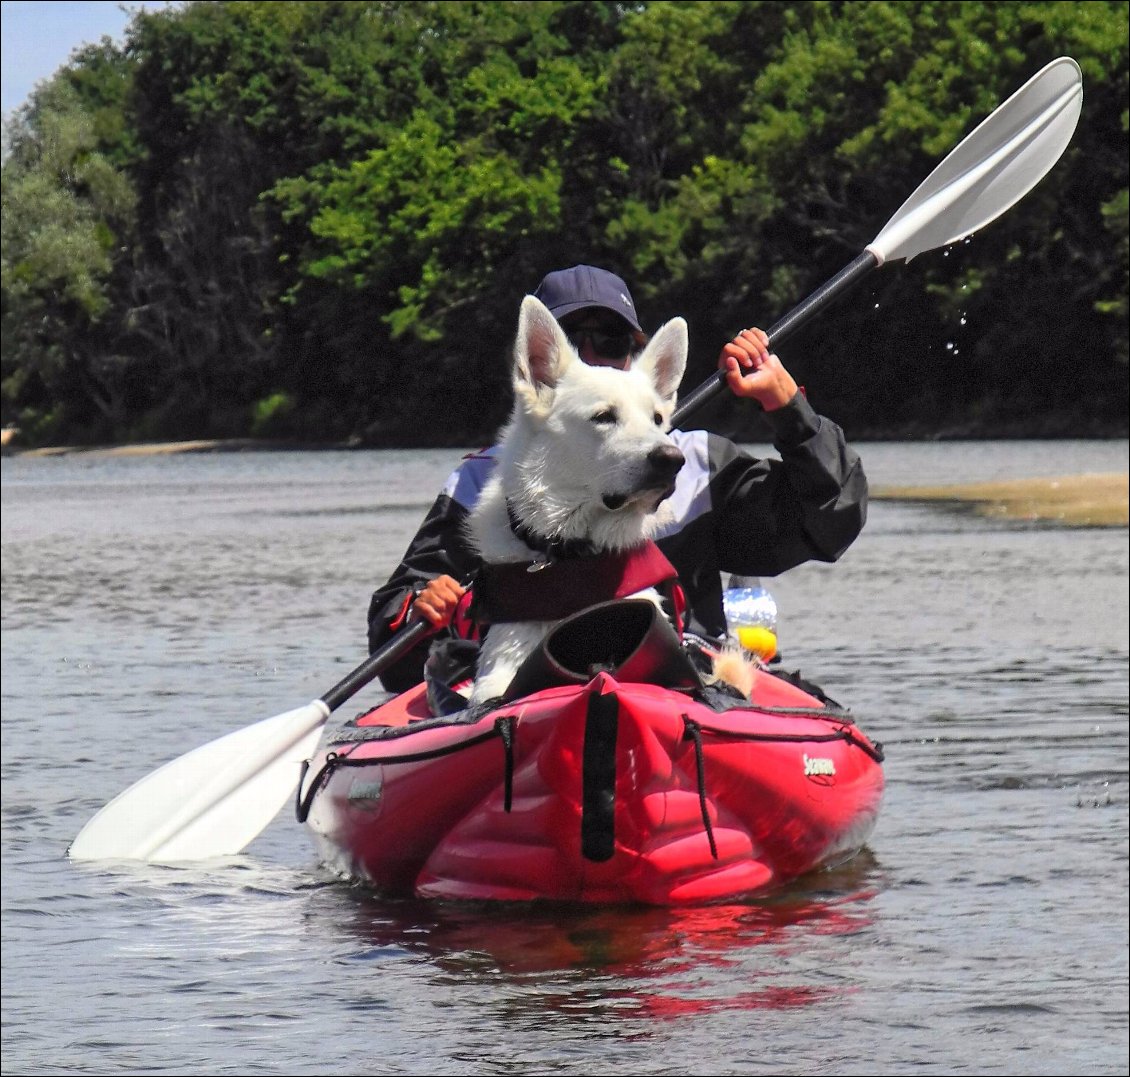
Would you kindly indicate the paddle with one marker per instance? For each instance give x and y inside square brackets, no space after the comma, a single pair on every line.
[988,172]
[214,800]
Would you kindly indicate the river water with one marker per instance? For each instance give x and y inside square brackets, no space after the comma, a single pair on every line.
[151,604]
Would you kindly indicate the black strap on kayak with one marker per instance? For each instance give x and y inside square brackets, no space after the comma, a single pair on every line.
[302,803]
[693,732]
[505,727]
[598,777]
[873,749]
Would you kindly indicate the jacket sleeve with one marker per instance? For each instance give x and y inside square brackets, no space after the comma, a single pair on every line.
[772,515]
[439,548]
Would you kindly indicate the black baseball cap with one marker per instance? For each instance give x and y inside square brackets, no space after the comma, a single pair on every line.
[581,287]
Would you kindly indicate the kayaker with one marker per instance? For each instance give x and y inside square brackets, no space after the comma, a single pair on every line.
[740,513]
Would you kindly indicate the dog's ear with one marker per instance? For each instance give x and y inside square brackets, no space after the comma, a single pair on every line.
[542,351]
[665,358]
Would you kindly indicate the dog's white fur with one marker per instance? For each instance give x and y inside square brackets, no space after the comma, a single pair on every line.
[572,462]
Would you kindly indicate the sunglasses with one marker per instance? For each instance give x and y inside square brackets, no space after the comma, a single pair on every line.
[604,345]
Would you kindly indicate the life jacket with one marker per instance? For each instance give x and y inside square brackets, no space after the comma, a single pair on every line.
[552,590]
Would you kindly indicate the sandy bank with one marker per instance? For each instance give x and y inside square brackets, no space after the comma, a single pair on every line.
[168,448]
[1072,500]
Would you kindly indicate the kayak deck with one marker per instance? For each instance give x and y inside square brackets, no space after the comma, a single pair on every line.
[602,793]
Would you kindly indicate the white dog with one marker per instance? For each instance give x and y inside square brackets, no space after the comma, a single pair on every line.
[585,457]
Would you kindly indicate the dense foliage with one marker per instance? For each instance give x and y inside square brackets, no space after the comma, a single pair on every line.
[315,220]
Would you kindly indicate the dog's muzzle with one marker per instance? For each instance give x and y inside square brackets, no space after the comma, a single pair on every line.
[662,465]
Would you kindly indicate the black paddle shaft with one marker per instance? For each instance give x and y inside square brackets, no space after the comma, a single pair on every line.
[376,663]
[792,321]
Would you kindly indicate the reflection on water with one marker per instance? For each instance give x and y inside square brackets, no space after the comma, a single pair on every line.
[634,943]
[150,606]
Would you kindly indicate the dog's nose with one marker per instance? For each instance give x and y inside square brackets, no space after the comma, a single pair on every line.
[665,461]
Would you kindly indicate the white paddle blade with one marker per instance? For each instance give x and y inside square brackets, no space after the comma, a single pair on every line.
[992,168]
[211,801]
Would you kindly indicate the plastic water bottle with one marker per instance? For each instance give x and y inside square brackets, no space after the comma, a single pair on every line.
[751,615]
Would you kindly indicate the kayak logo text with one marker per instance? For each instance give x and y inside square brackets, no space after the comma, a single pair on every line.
[818,767]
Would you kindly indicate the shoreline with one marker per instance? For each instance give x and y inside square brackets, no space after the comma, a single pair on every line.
[10,446]
[174,448]
[1088,500]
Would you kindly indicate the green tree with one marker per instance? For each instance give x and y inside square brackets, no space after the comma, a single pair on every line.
[843,109]
[448,217]
[65,210]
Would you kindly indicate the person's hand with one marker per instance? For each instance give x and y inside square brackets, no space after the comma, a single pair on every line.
[755,372]
[437,601]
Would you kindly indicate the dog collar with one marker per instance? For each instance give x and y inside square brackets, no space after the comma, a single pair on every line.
[553,549]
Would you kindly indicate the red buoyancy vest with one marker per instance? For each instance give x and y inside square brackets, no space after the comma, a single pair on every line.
[520,592]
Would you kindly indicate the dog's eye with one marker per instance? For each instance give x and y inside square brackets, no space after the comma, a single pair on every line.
[658,419]
[608,415]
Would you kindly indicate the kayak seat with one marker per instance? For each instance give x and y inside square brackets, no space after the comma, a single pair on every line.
[628,638]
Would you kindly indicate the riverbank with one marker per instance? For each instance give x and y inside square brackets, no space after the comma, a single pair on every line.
[170,448]
[1072,500]
[1083,500]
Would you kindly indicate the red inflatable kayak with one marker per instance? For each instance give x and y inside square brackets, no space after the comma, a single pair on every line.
[595,792]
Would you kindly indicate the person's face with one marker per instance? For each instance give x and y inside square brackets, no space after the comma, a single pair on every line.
[601,338]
